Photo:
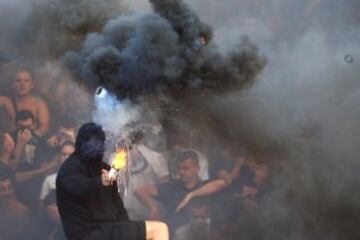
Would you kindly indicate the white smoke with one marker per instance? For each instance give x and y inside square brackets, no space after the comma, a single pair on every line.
[114,115]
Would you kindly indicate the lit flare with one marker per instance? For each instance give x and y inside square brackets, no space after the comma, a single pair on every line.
[119,162]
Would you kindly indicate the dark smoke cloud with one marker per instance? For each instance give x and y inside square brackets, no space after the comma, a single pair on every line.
[162,52]
[184,20]
[301,114]
[46,29]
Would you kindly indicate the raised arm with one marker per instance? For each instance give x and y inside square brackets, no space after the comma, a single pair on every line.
[205,190]
[22,139]
[229,176]
[25,176]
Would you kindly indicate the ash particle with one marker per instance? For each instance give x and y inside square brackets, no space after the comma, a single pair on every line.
[349,58]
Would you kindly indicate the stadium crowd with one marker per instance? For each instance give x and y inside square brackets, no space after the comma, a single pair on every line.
[198,188]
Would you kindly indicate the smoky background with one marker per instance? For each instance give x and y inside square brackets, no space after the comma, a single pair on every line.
[296,105]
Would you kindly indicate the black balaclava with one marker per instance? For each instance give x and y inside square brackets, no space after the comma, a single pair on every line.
[90,146]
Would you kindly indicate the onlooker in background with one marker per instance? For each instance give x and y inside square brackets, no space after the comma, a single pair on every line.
[15,218]
[181,142]
[199,225]
[146,167]
[26,141]
[49,183]
[225,164]
[65,132]
[7,147]
[28,164]
[49,146]
[24,99]
[168,195]
[240,200]
[47,199]
[7,114]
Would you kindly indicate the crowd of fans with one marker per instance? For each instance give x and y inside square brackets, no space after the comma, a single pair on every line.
[198,189]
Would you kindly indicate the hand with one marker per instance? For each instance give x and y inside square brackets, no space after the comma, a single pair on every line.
[105,179]
[184,202]
[25,136]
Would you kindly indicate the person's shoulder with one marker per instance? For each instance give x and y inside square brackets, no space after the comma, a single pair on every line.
[4,99]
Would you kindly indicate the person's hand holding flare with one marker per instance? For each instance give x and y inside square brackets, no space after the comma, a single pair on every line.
[119,162]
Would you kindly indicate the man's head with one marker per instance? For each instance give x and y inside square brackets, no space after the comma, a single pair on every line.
[67,129]
[90,143]
[23,83]
[188,166]
[25,119]
[66,149]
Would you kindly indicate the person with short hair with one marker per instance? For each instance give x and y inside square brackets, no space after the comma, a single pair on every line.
[147,167]
[88,200]
[24,99]
[26,141]
[169,195]
[49,183]
[28,163]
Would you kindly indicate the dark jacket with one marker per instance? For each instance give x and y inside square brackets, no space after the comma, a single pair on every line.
[84,203]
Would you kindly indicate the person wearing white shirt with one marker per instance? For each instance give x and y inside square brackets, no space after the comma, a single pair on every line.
[48,185]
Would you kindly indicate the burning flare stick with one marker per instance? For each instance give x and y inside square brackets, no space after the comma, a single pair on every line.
[119,162]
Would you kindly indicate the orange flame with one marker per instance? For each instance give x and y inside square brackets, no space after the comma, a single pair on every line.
[120,159]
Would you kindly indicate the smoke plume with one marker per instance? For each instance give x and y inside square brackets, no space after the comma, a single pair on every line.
[168,51]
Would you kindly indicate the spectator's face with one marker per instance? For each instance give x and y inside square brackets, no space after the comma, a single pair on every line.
[27,123]
[23,83]
[5,185]
[188,170]
[65,152]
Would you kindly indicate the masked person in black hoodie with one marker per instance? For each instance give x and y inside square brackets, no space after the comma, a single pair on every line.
[89,204]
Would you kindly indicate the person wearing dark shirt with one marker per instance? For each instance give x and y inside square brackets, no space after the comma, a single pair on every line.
[170,195]
[89,204]
[28,159]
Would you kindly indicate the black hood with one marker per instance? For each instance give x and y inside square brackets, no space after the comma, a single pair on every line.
[90,145]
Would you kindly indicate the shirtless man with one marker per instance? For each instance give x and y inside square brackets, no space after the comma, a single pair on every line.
[24,99]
